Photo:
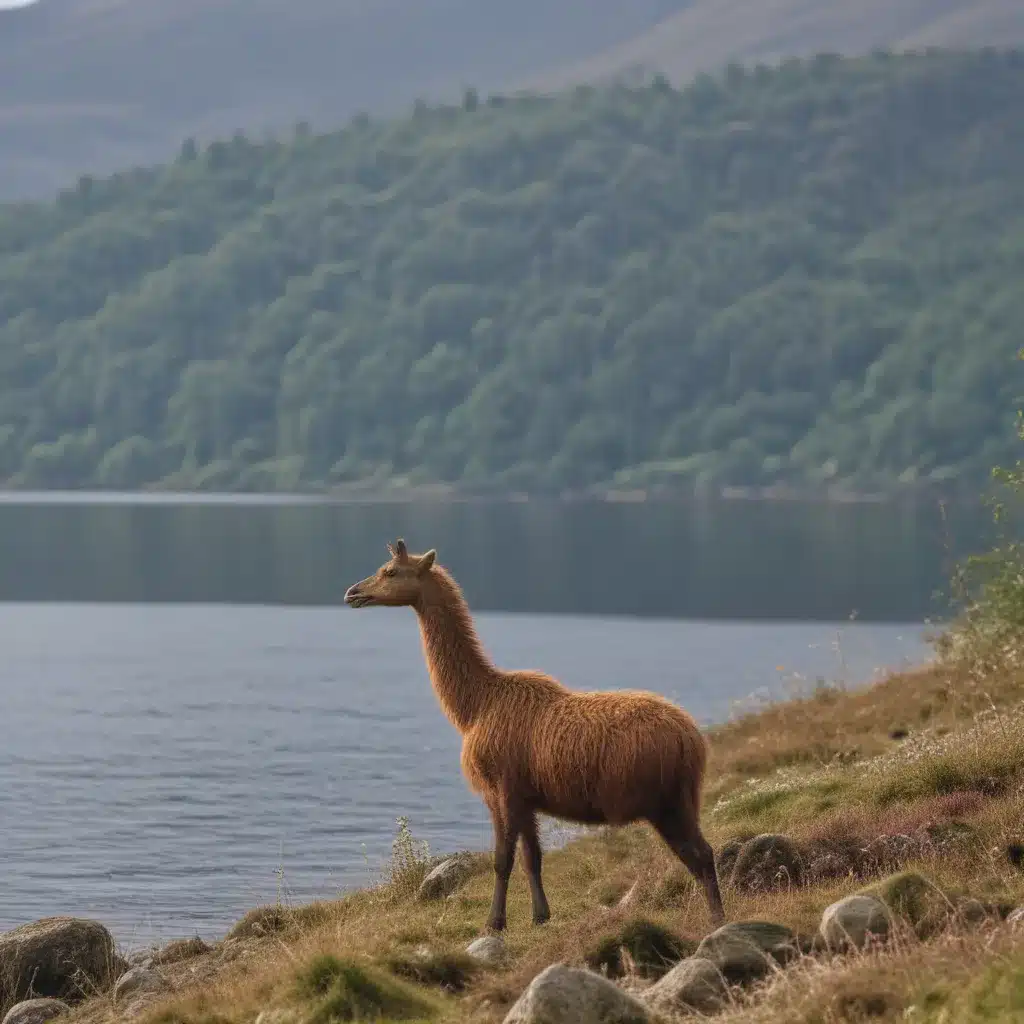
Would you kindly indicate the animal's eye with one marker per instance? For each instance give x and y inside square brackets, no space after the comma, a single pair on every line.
[389,572]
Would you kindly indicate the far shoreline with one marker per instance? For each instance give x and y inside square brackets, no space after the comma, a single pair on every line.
[442,495]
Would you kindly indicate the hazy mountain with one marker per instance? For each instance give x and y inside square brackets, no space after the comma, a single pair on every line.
[705,34]
[95,85]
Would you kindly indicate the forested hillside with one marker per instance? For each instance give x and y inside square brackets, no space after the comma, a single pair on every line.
[808,274]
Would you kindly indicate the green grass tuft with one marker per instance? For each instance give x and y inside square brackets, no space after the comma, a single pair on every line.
[917,899]
[345,991]
[652,949]
[451,972]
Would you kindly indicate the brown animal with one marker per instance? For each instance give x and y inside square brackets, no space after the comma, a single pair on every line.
[530,745]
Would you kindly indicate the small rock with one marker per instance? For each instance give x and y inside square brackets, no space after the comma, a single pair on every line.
[59,957]
[488,949]
[889,851]
[180,949]
[972,911]
[140,958]
[1016,918]
[745,950]
[850,921]
[726,859]
[35,1011]
[445,878]
[693,984]
[138,980]
[567,995]
[768,862]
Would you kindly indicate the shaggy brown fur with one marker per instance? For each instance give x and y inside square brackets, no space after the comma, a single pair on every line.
[530,745]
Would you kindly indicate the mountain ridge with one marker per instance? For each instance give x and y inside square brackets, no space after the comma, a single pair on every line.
[93,86]
[701,37]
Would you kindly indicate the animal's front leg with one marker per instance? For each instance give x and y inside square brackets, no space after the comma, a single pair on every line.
[505,837]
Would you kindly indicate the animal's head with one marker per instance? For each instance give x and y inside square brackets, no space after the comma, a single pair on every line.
[399,581]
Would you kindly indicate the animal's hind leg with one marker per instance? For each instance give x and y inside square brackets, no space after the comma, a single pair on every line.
[687,842]
[506,833]
[532,860]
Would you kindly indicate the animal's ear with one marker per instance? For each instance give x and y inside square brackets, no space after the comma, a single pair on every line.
[391,551]
[399,550]
[427,560]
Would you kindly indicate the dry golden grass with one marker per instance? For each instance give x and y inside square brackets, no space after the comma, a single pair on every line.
[833,725]
[963,977]
[924,770]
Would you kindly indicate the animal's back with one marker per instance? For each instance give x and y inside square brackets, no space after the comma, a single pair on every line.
[601,756]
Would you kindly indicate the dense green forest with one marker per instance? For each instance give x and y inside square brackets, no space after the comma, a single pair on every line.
[811,273]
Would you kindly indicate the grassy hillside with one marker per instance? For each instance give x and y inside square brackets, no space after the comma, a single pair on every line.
[88,86]
[807,275]
[921,773]
[706,33]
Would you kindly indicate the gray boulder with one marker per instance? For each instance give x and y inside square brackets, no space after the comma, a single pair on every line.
[488,949]
[139,980]
[140,957]
[1016,919]
[745,950]
[693,984]
[567,995]
[445,878]
[59,957]
[973,912]
[851,921]
[35,1011]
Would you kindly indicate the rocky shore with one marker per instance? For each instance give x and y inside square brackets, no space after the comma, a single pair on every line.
[52,966]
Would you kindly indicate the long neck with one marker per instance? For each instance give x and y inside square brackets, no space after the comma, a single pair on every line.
[460,671]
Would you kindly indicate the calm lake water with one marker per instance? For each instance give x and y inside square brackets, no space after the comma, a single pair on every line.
[185,734]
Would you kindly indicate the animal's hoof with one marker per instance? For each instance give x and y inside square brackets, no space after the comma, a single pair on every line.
[542,918]
[496,924]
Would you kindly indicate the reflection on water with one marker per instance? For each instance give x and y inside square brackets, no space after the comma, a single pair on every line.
[694,559]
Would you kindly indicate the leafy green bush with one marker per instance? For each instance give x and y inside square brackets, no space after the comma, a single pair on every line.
[989,633]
